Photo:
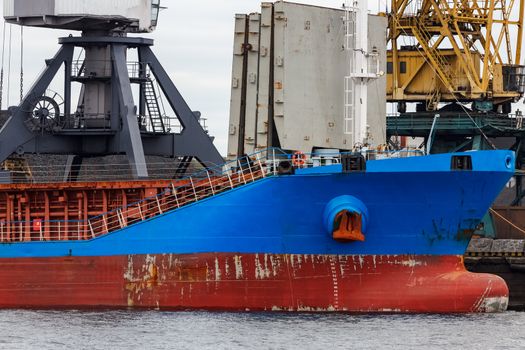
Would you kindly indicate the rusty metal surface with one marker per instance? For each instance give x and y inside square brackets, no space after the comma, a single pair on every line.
[84,214]
[480,246]
[494,247]
[67,204]
[84,185]
[251,282]
[511,269]
[509,246]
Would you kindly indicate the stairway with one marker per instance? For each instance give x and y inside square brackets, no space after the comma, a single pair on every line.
[183,167]
[152,104]
[439,63]
[433,99]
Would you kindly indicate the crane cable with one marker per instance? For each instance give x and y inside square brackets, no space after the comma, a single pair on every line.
[501,217]
[440,78]
[21,63]
[9,64]
[2,67]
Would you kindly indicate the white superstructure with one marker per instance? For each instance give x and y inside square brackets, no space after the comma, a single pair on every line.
[289,63]
[361,63]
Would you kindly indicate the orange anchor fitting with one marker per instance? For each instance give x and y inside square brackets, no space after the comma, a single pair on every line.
[347,227]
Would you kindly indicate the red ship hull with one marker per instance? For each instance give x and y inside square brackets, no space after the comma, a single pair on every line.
[263,282]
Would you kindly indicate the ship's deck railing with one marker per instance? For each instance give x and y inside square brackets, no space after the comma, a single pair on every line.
[389,154]
[455,121]
[103,68]
[197,187]
[317,159]
[110,171]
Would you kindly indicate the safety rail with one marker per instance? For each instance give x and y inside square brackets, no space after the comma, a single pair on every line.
[176,197]
[197,187]
[313,160]
[172,124]
[456,121]
[103,68]
[104,171]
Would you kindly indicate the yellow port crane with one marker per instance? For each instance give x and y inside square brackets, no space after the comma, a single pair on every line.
[456,51]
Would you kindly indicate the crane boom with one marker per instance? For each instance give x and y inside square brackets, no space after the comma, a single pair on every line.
[462,51]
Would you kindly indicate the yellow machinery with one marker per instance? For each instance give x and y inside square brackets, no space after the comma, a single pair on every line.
[456,51]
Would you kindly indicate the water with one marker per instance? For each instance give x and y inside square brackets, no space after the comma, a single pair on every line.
[202,330]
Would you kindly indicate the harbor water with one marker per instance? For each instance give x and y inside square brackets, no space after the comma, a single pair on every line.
[205,330]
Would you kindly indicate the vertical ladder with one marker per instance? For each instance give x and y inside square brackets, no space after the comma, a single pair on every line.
[152,104]
[349,107]
[356,83]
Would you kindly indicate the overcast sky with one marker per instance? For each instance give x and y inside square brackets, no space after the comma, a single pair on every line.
[194,41]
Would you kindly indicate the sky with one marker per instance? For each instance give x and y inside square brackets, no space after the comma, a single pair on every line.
[193,40]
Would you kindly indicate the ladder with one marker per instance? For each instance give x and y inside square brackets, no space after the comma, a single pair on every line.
[349,100]
[359,62]
[440,64]
[183,167]
[349,107]
[433,99]
[178,194]
[152,104]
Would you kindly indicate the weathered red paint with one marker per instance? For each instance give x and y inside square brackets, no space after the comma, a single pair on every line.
[23,205]
[251,282]
[60,212]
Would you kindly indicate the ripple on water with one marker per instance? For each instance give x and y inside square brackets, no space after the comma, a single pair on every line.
[202,330]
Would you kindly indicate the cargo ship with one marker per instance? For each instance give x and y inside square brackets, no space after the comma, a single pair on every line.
[275,230]
[388,238]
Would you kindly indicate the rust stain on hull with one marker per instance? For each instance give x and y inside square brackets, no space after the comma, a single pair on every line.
[259,282]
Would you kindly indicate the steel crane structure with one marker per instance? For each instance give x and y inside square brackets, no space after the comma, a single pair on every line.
[460,61]
[456,51]
[107,118]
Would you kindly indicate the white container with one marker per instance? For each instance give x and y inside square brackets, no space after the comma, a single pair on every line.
[309,64]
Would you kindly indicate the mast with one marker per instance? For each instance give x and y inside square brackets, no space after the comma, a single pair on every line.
[359,62]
